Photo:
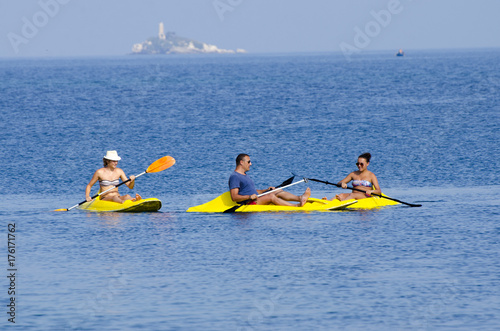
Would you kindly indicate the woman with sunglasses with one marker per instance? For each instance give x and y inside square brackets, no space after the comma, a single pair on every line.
[362,179]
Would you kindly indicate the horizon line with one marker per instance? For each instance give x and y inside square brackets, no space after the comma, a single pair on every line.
[248,53]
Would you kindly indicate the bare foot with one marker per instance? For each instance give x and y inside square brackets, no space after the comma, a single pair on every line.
[338,197]
[304,197]
[137,197]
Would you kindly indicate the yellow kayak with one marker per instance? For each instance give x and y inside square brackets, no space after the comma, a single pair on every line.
[143,205]
[224,202]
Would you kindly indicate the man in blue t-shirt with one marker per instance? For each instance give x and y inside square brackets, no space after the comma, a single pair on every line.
[243,188]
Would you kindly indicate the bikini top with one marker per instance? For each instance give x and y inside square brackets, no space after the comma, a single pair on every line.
[359,182]
[109,182]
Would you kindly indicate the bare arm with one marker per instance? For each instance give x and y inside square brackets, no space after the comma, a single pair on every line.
[94,179]
[375,186]
[237,197]
[346,180]
[130,184]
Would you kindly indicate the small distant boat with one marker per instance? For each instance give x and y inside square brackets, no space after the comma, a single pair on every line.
[400,53]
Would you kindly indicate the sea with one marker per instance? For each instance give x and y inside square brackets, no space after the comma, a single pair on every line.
[429,119]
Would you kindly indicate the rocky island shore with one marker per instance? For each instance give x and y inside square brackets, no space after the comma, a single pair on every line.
[170,43]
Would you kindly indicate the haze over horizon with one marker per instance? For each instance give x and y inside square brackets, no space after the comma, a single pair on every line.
[38,28]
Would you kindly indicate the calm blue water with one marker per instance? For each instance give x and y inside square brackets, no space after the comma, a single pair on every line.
[430,120]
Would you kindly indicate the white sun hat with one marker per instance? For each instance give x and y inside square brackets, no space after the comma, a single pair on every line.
[112,155]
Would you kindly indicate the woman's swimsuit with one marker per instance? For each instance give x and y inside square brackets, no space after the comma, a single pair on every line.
[359,182]
[105,183]
[109,182]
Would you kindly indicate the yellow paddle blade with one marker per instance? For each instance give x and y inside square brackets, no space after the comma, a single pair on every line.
[61,209]
[161,164]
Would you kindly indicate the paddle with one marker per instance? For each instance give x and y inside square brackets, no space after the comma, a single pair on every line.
[357,189]
[157,166]
[286,183]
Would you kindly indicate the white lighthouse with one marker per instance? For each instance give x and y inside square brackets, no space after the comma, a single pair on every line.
[161,33]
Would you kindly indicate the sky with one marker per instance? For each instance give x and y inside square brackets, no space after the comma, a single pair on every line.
[47,28]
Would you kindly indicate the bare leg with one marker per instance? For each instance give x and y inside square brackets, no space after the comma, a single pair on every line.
[121,199]
[287,196]
[114,198]
[304,197]
[126,197]
[273,199]
[282,198]
[341,196]
[348,196]
[292,197]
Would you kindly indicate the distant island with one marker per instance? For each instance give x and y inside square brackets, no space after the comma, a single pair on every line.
[170,43]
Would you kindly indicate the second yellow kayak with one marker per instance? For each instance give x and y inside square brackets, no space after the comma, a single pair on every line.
[143,205]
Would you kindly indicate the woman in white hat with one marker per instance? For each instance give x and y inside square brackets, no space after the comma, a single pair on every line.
[110,176]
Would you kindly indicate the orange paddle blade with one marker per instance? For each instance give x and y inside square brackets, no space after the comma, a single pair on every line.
[161,164]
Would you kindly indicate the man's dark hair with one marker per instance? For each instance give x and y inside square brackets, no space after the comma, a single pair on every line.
[240,158]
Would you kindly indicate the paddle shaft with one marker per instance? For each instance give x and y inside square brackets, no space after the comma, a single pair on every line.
[279,188]
[359,190]
[109,189]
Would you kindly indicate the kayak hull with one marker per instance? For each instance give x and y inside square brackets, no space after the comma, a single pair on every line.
[129,206]
[224,202]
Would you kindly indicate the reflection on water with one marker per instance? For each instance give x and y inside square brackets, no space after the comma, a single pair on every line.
[112,219]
